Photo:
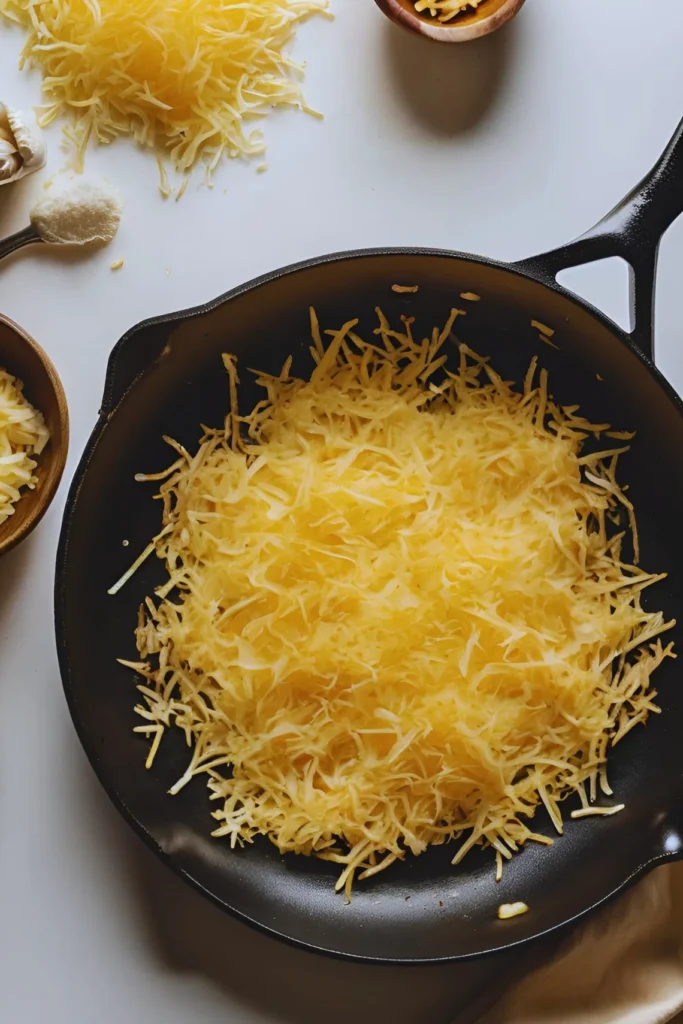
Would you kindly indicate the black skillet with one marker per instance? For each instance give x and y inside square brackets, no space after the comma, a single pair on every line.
[165,377]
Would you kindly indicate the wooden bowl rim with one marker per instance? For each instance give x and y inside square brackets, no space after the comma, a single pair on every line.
[450,33]
[42,498]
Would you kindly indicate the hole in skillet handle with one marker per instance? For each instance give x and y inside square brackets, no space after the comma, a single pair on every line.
[632,230]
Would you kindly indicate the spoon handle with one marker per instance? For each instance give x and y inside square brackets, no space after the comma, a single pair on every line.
[26,237]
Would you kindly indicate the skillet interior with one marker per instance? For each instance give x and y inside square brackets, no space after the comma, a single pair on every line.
[423,910]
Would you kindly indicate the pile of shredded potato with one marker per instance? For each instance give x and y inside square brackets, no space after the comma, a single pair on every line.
[188,77]
[23,435]
[396,610]
[445,10]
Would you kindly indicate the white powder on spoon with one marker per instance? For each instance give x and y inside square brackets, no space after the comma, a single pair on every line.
[77,211]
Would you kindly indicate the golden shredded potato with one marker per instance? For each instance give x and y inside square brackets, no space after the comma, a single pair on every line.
[445,10]
[397,611]
[188,77]
[23,435]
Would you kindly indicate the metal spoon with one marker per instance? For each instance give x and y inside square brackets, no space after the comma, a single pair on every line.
[17,241]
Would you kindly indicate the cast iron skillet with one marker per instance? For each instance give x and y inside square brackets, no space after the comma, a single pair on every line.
[165,377]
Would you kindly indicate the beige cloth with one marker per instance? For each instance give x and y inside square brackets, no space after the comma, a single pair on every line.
[625,966]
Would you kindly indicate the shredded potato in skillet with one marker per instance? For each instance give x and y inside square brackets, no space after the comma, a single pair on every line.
[396,611]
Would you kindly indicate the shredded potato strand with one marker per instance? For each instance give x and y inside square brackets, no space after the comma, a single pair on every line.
[395,614]
[445,10]
[23,435]
[187,77]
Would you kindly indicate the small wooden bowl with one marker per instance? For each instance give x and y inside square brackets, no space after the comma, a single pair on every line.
[471,24]
[21,356]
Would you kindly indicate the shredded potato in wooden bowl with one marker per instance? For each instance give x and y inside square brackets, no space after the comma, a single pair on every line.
[445,10]
[23,435]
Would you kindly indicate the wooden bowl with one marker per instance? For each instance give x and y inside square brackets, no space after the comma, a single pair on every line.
[21,356]
[471,24]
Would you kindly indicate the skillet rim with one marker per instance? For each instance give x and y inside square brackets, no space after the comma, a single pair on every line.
[110,403]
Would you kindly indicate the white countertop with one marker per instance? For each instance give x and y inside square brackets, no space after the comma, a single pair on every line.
[505,147]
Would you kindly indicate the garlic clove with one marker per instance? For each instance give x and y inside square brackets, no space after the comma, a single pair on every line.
[28,139]
[10,160]
[22,148]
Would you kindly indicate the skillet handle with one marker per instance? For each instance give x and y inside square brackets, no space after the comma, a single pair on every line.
[632,230]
